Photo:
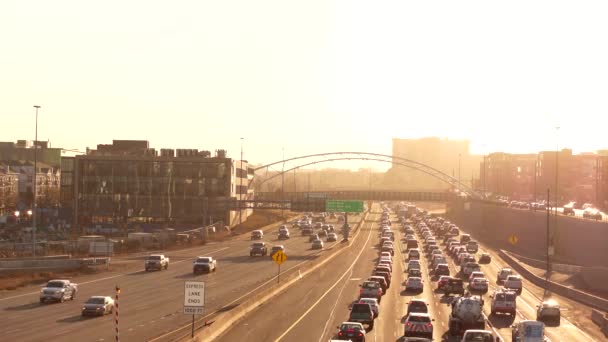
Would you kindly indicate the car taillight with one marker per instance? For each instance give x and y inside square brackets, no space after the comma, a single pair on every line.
[360,292]
[360,334]
[430,325]
[408,324]
[379,292]
[340,333]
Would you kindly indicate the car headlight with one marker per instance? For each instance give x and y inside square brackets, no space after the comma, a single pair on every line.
[83,308]
[58,291]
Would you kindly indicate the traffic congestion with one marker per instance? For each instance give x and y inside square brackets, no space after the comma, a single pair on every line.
[455,266]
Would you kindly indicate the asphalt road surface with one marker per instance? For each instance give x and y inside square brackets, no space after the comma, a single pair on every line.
[150,302]
[311,309]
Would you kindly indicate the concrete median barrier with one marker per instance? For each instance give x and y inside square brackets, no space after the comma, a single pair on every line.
[576,295]
[601,319]
[224,320]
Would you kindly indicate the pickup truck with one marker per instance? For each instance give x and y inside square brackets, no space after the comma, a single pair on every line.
[258,248]
[58,290]
[156,262]
[204,265]
[362,313]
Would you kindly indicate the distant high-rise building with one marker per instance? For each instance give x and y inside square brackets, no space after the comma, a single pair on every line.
[451,157]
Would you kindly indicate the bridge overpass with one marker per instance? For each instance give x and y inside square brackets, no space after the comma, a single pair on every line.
[364,195]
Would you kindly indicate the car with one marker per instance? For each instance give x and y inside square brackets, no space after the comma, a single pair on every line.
[418,325]
[276,248]
[475,335]
[476,274]
[528,331]
[306,231]
[485,258]
[388,248]
[548,310]
[383,269]
[479,284]
[332,237]
[313,237]
[413,264]
[284,235]
[413,254]
[204,264]
[257,235]
[414,283]
[384,264]
[442,269]
[592,213]
[351,331]
[503,301]
[414,273]
[322,233]
[58,290]
[418,306]
[371,289]
[386,275]
[317,244]
[442,282]
[362,313]
[514,283]
[380,280]
[98,306]
[454,285]
[156,262]
[374,304]
[503,274]
[258,248]
[386,254]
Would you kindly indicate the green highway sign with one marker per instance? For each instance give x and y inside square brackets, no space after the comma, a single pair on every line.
[344,206]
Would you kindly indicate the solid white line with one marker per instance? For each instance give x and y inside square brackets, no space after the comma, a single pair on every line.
[248,293]
[331,314]
[106,278]
[329,290]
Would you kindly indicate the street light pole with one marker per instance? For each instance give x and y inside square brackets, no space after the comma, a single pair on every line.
[458,173]
[283,184]
[35,181]
[241,186]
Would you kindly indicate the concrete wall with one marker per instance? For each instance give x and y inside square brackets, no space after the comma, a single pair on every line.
[577,242]
[50,263]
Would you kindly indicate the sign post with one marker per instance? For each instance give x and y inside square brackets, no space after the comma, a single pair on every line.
[194,299]
[344,207]
[279,257]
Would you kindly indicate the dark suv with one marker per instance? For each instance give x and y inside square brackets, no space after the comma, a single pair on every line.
[258,248]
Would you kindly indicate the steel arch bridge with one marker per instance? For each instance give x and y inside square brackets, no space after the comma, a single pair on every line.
[337,156]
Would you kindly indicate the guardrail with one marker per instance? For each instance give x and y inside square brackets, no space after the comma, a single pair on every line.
[577,295]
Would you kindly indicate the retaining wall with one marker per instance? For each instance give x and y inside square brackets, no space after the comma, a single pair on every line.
[582,297]
[576,241]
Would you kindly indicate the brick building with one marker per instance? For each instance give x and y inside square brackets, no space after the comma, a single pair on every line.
[128,182]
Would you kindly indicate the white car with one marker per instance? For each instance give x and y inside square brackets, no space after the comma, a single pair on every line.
[503,274]
[418,325]
[479,284]
[476,274]
[514,283]
[474,335]
[204,265]
[414,283]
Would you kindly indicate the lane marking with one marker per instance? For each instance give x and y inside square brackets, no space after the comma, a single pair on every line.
[189,325]
[333,309]
[330,289]
[107,278]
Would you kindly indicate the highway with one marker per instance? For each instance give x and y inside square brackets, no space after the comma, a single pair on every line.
[311,310]
[151,302]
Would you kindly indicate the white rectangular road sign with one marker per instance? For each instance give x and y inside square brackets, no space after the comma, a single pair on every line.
[194,297]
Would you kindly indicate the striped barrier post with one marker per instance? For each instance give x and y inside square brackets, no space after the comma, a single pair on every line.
[116,313]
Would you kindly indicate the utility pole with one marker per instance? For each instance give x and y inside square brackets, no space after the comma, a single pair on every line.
[241,186]
[34,215]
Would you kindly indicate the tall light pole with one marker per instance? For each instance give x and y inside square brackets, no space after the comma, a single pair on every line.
[35,181]
[241,186]
[283,184]
[459,173]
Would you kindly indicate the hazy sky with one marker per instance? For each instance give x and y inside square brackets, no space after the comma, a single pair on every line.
[309,76]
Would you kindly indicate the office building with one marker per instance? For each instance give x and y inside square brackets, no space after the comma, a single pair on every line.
[128,182]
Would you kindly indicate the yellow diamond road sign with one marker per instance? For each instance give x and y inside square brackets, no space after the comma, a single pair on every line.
[279,257]
[513,239]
